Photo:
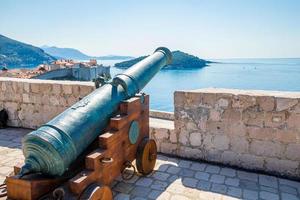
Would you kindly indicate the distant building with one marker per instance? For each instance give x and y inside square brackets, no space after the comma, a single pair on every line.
[70,69]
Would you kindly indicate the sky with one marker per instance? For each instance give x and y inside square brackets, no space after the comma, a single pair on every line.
[205,28]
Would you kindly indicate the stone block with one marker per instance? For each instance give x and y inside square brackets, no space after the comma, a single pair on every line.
[214,115]
[209,99]
[202,176]
[253,118]
[161,134]
[230,157]
[268,195]
[67,89]
[293,121]
[168,148]
[25,98]
[266,103]
[239,144]
[266,148]
[243,101]
[285,103]
[213,155]
[54,100]
[235,129]
[184,137]
[179,99]
[56,89]
[286,167]
[187,152]
[173,136]
[215,178]
[269,181]
[35,87]
[11,108]
[71,100]
[3,86]
[216,127]
[293,152]
[221,142]
[250,161]
[231,116]
[222,103]
[26,87]
[207,141]
[85,90]
[45,88]
[275,119]
[285,136]
[76,90]
[195,139]
[261,133]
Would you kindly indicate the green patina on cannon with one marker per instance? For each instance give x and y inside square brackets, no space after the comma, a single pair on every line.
[54,146]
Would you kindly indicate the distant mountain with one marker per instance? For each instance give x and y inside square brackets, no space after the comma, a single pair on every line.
[18,54]
[181,60]
[70,53]
[67,53]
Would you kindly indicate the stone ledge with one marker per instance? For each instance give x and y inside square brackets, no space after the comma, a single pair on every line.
[39,81]
[271,93]
[162,114]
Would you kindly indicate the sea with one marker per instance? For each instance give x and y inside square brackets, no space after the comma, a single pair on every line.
[255,74]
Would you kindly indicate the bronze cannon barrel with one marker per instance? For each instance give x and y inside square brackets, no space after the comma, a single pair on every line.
[55,145]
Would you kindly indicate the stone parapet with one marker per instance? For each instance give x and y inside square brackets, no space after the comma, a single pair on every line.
[162,114]
[31,102]
[257,130]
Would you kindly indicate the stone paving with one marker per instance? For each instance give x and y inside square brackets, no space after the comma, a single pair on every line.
[174,179]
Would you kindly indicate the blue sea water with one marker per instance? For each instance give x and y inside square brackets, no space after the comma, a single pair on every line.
[258,74]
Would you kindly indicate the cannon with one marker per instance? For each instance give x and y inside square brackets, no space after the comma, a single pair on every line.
[82,150]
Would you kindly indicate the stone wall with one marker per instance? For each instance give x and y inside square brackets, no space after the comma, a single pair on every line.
[257,130]
[31,102]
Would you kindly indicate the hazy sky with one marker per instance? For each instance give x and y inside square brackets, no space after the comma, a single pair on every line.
[206,28]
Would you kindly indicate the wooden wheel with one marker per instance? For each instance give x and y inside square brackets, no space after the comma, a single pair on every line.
[146,156]
[96,192]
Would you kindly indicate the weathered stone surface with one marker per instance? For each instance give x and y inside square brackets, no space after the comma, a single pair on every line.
[293,151]
[293,121]
[287,167]
[266,103]
[243,101]
[239,144]
[249,129]
[285,103]
[221,142]
[195,139]
[34,102]
[266,148]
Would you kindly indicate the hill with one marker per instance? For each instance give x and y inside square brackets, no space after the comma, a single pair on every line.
[70,53]
[17,54]
[181,60]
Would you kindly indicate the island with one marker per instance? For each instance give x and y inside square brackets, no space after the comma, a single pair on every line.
[181,60]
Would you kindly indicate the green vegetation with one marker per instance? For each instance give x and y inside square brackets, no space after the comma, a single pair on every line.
[17,54]
[181,60]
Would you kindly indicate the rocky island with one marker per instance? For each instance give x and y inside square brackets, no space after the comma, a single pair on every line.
[181,60]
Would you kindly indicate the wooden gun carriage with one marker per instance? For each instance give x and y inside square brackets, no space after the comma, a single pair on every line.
[105,160]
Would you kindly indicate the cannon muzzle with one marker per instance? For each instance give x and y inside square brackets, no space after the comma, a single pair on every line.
[55,145]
